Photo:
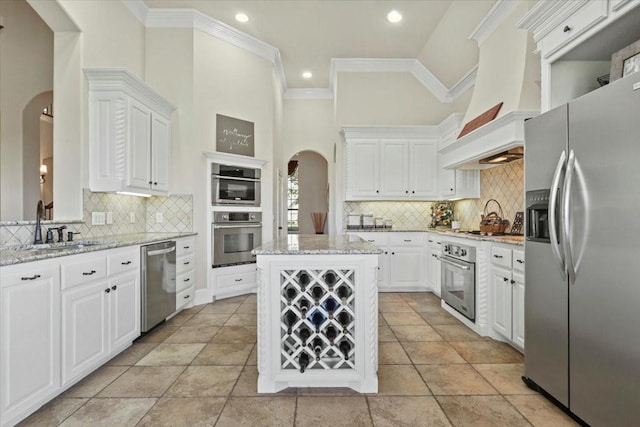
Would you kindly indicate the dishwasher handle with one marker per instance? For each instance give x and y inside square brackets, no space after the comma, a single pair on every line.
[161,251]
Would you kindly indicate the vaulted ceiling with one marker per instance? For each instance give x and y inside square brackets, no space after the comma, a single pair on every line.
[309,33]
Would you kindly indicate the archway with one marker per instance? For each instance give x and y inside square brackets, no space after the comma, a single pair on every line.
[307,193]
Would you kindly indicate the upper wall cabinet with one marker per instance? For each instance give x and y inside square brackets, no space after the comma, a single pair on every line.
[576,40]
[390,164]
[129,134]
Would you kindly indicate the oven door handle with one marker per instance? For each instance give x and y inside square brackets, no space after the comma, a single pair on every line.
[455,263]
[237,178]
[218,227]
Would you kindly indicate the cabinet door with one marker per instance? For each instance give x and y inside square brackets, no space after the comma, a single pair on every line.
[393,169]
[518,310]
[501,300]
[160,153]
[433,270]
[363,169]
[29,339]
[124,310]
[84,329]
[447,182]
[423,169]
[139,150]
[406,267]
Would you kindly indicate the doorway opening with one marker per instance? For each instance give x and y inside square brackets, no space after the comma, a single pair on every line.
[307,193]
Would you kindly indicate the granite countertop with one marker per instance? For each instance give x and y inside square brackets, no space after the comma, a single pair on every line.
[10,255]
[320,244]
[514,240]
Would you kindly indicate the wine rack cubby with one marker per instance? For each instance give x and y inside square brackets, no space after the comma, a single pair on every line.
[317,319]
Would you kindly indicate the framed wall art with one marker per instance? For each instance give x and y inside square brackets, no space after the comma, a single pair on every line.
[625,61]
[234,136]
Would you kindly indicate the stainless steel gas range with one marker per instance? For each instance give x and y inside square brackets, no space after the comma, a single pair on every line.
[458,286]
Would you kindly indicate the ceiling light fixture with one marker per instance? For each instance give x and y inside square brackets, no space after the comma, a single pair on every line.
[242,17]
[394,16]
[307,75]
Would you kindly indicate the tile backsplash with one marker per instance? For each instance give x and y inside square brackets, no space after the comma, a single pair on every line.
[503,183]
[176,210]
[405,215]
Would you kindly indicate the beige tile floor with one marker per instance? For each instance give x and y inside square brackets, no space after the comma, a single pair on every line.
[199,369]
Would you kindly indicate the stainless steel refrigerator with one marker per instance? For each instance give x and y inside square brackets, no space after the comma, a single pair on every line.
[582,254]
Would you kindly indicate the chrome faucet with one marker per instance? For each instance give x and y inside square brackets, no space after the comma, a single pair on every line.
[39,215]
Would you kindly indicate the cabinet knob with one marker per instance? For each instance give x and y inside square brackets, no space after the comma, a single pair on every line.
[377,191]
[505,279]
[155,183]
[114,287]
[406,192]
[513,282]
[451,189]
[107,290]
[413,192]
[386,253]
[150,182]
[566,29]
[393,253]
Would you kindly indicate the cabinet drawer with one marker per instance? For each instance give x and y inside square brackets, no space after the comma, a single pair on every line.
[83,270]
[185,264]
[123,261]
[185,280]
[518,260]
[501,257]
[406,239]
[434,241]
[377,239]
[185,297]
[231,280]
[577,23]
[185,247]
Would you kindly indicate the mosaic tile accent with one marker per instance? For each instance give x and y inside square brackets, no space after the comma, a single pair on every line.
[505,184]
[177,213]
[405,215]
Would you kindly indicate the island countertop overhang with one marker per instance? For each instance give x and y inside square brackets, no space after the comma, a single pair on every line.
[321,244]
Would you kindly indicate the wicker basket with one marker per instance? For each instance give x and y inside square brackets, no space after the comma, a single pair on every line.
[492,222]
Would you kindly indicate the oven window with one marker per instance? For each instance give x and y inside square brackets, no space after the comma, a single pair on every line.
[234,243]
[455,282]
[237,190]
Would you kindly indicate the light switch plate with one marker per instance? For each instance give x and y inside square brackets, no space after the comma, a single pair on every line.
[159,217]
[109,217]
[98,218]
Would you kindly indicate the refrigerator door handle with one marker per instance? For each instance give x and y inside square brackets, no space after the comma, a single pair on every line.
[553,203]
[566,244]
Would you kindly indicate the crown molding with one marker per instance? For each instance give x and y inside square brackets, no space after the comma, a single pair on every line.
[546,15]
[191,18]
[496,15]
[392,132]
[308,94]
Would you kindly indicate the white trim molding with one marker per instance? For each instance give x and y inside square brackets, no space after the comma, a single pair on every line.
[492,20]
[191,18]
[234,159]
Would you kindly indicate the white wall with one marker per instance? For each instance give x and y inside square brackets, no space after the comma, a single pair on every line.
[26,70]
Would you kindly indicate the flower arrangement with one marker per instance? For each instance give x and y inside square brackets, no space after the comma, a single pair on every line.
[441,214]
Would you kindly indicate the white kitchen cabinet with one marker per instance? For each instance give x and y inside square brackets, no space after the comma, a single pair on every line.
[455,183]
[363,170]
[29,338]
[507,290]
[393,175]
[100,314]
[185,271]
[401,266]
[129,134]
[575,41]
[234,280]
[423,169]
[434,272]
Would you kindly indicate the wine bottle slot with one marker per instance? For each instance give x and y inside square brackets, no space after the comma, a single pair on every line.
[290,293]
[304,333]
[330,305]
[329,278]
[290,319]
[345,348]
[317,319]
[317,345]
[344,293]
[317,293]
[303,279]
[304,306]
[303,360]
[331,334]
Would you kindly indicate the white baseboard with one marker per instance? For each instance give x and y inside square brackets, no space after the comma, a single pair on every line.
[202,296]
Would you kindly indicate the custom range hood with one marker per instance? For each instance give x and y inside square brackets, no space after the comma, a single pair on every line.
[508,73]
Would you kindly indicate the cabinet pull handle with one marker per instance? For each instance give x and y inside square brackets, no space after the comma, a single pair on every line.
[238,280]
[407,240]
[371,240]
[34,277]
[186,247]
[150,182]
[89,273]
[187,279]
[439,243]
[126,263]
[505,279]
[498,256]
[430,241]
[566,29]
[519,261]
[107,290]
[186,296]
[114,287]
[187,263]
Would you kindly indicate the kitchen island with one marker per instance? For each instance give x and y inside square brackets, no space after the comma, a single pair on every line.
[317,313]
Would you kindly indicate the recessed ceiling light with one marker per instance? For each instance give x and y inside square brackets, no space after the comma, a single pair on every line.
[307,75]
[394,16]
[242,17]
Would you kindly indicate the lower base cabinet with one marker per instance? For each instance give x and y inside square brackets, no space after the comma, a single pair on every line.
[235,280]
[29,338]
[507,289]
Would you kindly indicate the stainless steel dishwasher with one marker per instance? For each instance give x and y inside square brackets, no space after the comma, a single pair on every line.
[158,283]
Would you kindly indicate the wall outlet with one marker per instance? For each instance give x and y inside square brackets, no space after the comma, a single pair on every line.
[159,217]
[98,218]
[132,217]
[109,217]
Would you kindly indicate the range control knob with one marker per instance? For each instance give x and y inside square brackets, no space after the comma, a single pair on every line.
[463,252]
[225,217]
[252,216]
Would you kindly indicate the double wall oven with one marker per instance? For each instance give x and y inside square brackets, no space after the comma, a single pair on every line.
[235,235]
[458,287]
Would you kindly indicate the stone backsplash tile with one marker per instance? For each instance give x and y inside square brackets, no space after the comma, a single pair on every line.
[177,215]
[503,183]
[405,215]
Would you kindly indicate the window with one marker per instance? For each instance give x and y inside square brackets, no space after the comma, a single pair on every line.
[292,202]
